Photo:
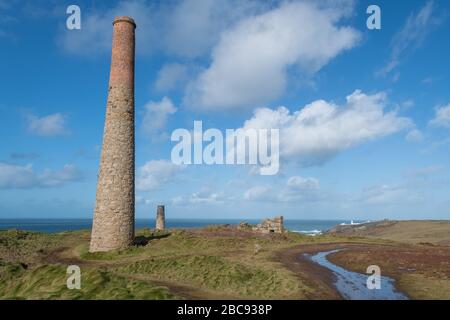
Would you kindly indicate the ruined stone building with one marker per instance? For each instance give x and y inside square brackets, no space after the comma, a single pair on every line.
[113,224]
[274,225]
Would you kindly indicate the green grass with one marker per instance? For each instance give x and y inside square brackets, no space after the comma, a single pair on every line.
[219,274]
[25,246]
[49,282]
[210,261]
[23,276]
[207,263]
[145,235]
[221,265]
[421,286]
[10,271]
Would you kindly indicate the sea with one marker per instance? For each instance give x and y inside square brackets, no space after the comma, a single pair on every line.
[309,227]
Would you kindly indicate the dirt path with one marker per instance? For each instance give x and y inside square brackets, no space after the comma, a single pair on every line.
[395,259]
[313,274]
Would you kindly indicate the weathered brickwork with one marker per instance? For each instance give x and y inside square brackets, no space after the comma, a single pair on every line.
[160,218]
[274,225]
[113,225]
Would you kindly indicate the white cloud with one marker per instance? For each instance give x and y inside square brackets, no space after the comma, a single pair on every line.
[204,196]
[429,80]
[184,28]
[50,178]
[411,36]
[425,172]
[441,143]
[171,76]
[179,201]
[296,189]
[390,194]
[7,17]
[408,104]
[299,189]
[442,117]
[156,115]
[140,200]
[417,186]
[24,177]
[259,193]
[51,125]
[14,176]
[96,29]
[156,173]
[250,64]
[382,194]
[187,24]
[194,26]
[320,130]
[414,136]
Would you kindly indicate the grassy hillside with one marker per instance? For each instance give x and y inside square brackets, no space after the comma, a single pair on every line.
[202,263]
[208,263]
[434,232]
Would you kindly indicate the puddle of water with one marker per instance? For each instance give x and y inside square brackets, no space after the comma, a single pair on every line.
[353,285]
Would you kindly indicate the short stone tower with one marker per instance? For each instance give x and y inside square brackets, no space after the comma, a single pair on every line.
[113,225]
[160,218]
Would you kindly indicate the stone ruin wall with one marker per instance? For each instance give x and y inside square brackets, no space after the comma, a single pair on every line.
[273,225]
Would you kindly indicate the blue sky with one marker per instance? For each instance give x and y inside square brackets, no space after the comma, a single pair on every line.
[364,115]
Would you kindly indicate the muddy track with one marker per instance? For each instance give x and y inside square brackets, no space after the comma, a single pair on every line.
[310,273]
[66,256]
[314,275]
[322,278]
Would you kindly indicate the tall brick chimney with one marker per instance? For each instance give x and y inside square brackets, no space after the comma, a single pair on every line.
[113,225]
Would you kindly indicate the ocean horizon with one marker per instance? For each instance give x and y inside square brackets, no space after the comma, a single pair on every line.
[61,225]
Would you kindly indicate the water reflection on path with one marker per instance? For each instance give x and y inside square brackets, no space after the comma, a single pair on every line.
[352,285]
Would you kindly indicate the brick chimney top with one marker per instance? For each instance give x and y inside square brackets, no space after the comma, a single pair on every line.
[124,19]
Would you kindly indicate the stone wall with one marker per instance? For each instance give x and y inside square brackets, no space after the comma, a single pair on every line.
[113,224]
[274,225]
